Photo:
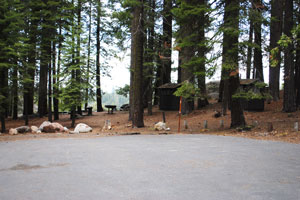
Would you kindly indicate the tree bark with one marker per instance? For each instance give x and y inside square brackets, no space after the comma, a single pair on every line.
[3,95]
[230,60]
[167,41]
[78,49]
[15,92]
[289,104]
[44,63]
[88,58]
[201,24]
[150,56]
[275,33]
[297,73]
[98,82]
[138,119]
[56,81]
[258,65]
[49,92]
[249,50]
[297,64]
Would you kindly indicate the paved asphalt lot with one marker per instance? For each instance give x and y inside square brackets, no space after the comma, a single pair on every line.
[167,167]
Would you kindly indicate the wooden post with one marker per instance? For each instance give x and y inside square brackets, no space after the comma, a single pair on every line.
[296,126]
[180,102]
[185,124]
[221,123]
[205,124]
[164,117]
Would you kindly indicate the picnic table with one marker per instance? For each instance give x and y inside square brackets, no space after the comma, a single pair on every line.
[111,108]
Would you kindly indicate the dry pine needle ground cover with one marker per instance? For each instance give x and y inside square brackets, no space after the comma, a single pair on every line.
[283,124]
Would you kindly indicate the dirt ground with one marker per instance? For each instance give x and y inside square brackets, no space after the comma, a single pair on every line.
[283,124]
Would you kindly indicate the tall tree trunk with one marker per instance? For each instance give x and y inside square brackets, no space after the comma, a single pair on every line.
[73,71]
[78,48]
[297,64]
[138,112]
[31,63]
[88,58]
[44,63]
[289,104]
[275,33]
[230,59]
[132,56]
[179,67]
[201,54]
[249,50]
[258,65]
[150,56]
[3,94]
[49,91]
[57,81]
[98,82]
[159,72]
[167,41]
[15,92]
[186,73]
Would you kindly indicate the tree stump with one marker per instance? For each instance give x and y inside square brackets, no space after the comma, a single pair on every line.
[270,126]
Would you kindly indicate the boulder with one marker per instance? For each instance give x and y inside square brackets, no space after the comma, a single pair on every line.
[45,123]
[160,126]
[34,129]
[66,129]
[73,132]
[82,128]
[58,127]
[23,129]
[13,131]
[50,128]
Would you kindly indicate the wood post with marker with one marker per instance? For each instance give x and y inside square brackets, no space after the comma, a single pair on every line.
[179,114]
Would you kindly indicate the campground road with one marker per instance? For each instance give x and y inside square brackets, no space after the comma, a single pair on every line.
[149,167]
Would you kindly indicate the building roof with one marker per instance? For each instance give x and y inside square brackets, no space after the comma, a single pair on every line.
[248,81]
[169,86]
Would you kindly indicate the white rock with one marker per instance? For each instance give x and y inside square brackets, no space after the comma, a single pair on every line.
[73,132]
[66,129]
[34,129]
[13,131]
[82,128]
[160,126]
[23,129]
[39,131]
[45,123]
[58,127]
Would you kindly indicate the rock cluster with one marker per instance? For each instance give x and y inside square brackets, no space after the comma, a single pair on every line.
[161,126]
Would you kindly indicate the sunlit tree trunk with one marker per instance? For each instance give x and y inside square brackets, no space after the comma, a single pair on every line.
[138,111]
[289,104]
[98,75]
[275,33]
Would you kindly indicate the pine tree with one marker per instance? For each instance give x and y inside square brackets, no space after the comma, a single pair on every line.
[230,61]
[289,104]
[137,48]
[167,41]
[258,66]
[98,75]
[275,33]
